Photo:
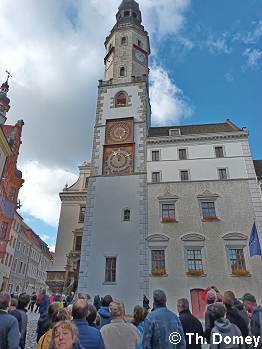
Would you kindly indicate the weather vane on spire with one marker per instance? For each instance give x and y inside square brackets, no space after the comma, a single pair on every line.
[8,75]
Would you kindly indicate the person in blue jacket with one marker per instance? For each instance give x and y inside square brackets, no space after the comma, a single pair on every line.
[104,313]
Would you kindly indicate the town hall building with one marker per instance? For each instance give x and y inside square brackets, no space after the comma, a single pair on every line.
[166,207]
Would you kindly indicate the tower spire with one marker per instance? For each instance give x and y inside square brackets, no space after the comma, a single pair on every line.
[4,100]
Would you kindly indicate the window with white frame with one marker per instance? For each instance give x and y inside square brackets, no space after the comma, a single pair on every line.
[184,175]
[156,177]
[208,209]
[194,259]
[182,154]
[219,152]
[158,262]
[168,212]
[222,174]
[236,259]
[110,269]
[155,155]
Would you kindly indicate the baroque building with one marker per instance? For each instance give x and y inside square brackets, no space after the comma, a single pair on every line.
[11,178]
[166,207]
[63,274]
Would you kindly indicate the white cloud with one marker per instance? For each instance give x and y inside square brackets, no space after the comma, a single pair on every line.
[229,77]
[168,102]
[254,58]
[218,44]
[39,194]
[251,37]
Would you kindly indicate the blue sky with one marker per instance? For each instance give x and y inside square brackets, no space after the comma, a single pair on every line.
[206,66]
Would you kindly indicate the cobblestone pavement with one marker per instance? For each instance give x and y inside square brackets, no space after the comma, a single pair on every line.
[31,330]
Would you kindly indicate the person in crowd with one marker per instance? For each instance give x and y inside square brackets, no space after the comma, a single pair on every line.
[189,323]
[146,303]
[58,301]
[51,298]
[119,333]
[9,330]
[16,313]
[256,318]
[45,340]
[93,318]
[45,321]
[239,306]
[89,337]
[39,299]
[160,323]
[224,328]
[64,336]
[139,315]
[32,302]
[69,298]
[104,313]
[97,302]
[211,299]
[43,306]
[234,315]
[23,301]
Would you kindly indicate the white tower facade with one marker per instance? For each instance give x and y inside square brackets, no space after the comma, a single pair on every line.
[114,256]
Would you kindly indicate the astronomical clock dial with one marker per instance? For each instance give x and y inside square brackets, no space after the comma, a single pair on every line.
[119,131]
[118,161]
[140,57]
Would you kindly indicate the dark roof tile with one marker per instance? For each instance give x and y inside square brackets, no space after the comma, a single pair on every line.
[258,168]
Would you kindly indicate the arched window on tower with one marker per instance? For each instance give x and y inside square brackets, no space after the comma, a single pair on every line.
[121,99]
[126,14]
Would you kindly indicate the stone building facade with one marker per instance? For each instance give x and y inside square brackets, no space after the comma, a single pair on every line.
[31,259]
[166,207]
[64,272]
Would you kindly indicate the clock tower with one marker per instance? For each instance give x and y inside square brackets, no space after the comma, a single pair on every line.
[114,255]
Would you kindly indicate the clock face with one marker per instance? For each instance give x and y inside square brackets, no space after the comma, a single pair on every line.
[140,57]
[119,132]
[119,160]
[109,61]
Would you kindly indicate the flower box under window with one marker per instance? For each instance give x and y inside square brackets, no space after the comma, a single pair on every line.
[240,272]
[158,272]
[168,219]
[194,272]
[209,218]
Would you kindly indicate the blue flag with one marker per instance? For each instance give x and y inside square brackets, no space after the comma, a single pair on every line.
[254,244]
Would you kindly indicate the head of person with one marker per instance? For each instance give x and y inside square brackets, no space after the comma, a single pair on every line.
[228,299]
[23,300]
[43,291]
[249,302]
[52,308]
[117,310]
[80,296]
[218,311]
[159,298]
[182,305]
[5,301]
[58,298]
[60,315]
[14,304]
[91,314]
[80,310]
[106,300]
[211,297]
[139,315]
[64,335]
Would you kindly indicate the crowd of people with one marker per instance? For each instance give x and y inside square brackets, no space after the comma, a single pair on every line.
[74,322]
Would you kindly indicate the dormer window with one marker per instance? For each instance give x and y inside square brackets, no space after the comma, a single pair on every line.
[121,99]
[174,132]
[126,14]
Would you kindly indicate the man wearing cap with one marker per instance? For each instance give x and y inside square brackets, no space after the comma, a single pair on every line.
[163,329]
[255,314]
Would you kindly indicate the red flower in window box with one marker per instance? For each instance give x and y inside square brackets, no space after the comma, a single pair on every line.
[168,219]
[240,272]
[210,218]
[158,272]
[193,272]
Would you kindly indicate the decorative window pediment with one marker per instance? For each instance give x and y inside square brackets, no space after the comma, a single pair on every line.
[157,238]
[207,195]
[234,236]
[192,237]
